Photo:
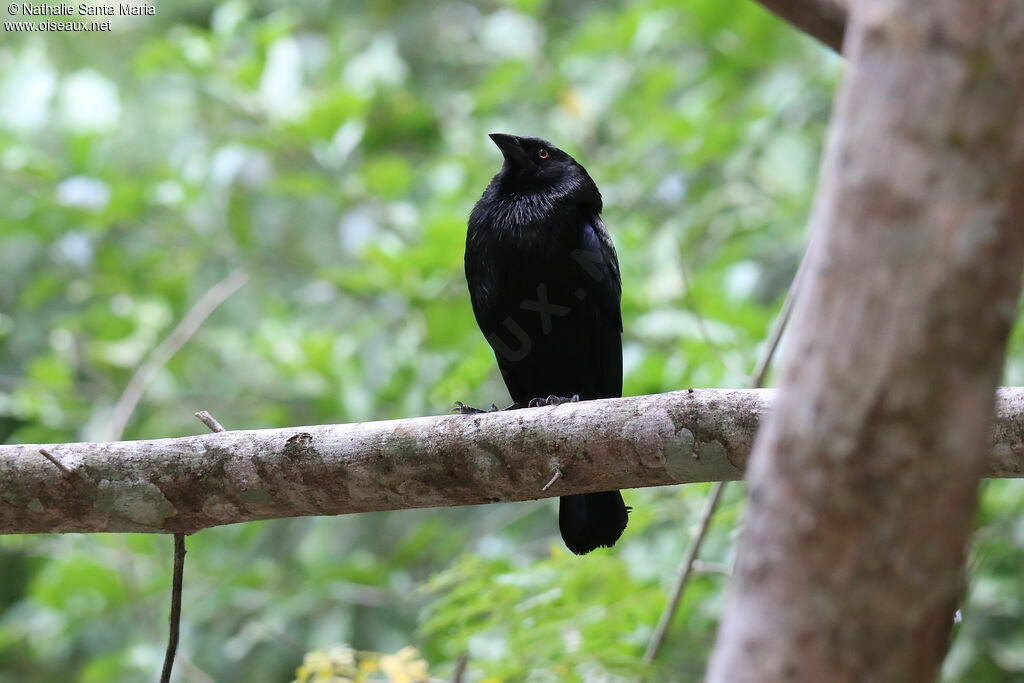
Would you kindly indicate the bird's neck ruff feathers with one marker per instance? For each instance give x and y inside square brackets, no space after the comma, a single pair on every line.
[518,208]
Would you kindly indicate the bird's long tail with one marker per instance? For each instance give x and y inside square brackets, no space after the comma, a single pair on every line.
[591,520]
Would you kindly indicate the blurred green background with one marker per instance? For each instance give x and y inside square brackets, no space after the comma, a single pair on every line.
[333,150]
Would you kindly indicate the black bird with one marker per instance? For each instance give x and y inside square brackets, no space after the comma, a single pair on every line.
[544,281]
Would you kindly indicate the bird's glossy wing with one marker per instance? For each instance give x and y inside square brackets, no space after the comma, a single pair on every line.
[597,274]
[598,263]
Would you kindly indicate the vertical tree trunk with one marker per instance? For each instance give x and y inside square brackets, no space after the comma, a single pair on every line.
[863,481]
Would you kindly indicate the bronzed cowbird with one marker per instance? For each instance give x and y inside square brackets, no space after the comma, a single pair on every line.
[544,281]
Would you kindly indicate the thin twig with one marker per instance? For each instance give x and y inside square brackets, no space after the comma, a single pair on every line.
[179,571]
[132,394]
[175,621]
[55,461]
[129,400]
[685,571]
[210,421]
[556,477]
[459,675]
[189,325]
[686,567]
[187,669]
[782,319]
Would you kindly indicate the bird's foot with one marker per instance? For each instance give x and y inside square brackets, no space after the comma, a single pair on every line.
[463,409]
[552,400]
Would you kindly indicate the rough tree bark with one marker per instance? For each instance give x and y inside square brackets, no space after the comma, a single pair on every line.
[863,483]
[189,483]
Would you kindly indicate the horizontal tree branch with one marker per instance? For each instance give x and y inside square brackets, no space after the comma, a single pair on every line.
[822,19]
[194,482]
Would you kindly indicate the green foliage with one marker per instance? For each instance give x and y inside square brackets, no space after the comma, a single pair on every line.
[333,151]
[554,616]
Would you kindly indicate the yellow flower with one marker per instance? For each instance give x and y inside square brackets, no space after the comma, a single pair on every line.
[335,665]
[405,666]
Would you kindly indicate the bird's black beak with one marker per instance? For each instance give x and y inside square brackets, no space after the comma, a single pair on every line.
[509,146]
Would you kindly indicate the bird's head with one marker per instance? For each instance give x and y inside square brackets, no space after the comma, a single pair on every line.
[534,166]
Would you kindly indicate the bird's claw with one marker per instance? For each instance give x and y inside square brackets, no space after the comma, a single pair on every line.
[463,409]
[552,400]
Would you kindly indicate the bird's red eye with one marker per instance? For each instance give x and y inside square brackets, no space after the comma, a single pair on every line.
[543,153]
